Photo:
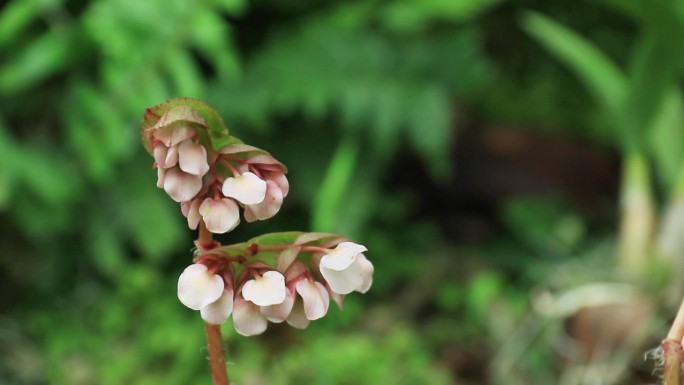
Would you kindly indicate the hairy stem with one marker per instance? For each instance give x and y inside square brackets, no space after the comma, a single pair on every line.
[214,341]
[215,346]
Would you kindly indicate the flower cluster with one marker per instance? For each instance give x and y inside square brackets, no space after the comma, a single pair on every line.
[211,186]
[281,277]
[255,293]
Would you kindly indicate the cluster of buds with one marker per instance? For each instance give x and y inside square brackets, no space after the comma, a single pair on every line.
[281,277]
[228,280]
[211,185]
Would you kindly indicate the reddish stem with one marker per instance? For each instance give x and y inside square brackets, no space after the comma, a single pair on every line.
[214,341]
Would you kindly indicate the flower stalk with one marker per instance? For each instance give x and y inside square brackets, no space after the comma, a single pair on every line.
[217,362]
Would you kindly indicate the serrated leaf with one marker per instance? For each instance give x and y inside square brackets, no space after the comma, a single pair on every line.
[187,110]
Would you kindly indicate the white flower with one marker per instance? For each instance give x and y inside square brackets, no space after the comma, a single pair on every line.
[269,289]
[220,215]
[197,287]
[343,270]
[246,188]
[314,297]
[192,158]
[247,318]
[268,207]
[279,313]
[181,186]
[218,311]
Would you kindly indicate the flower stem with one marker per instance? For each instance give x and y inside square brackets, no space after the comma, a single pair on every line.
[215,346]
[214,341]
[672,349]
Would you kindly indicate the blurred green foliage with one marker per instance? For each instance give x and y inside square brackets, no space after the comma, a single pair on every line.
[365,102]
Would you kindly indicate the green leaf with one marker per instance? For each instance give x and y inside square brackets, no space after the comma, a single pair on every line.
[330,197]
[599,74]
[666,137]
[186,110]
[42,58]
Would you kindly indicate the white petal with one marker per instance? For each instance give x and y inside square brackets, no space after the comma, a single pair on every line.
[180,186]
[161,172]
[279,313]
[270,205]
[315,298]
[281,180]
[343,281]
[367,270]
[220,215]
[247,188]
[197,287]
[171,157]
[247,318]
[159,153]
[193,214]
[218,311]
[192,158]
[297,318]
[342,256]
[269,289]
[249,214]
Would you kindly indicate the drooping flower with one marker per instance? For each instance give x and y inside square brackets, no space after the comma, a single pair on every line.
[268,207]
[315,298]
[181,186]
[344,270]
[218,311]
[192,158]
[198,287]
[267,290]
[247,317]
[219,215]
[246,188]
[279,313]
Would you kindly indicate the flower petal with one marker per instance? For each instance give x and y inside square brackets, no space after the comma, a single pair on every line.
[269,289]
[180,186]
[173,135]
[192,158]
[315,298]
[270,205]
[297,318]
[193,214]
[246,188]
[197,287]
[343,281]
[220,215]
[247,318]
[218,311]
[367,270]
[159,153]
[279,313]
[281,180]
[171,157]
[161,172]
[342,256]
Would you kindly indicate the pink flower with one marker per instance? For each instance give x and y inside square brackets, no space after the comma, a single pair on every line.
[219,215]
